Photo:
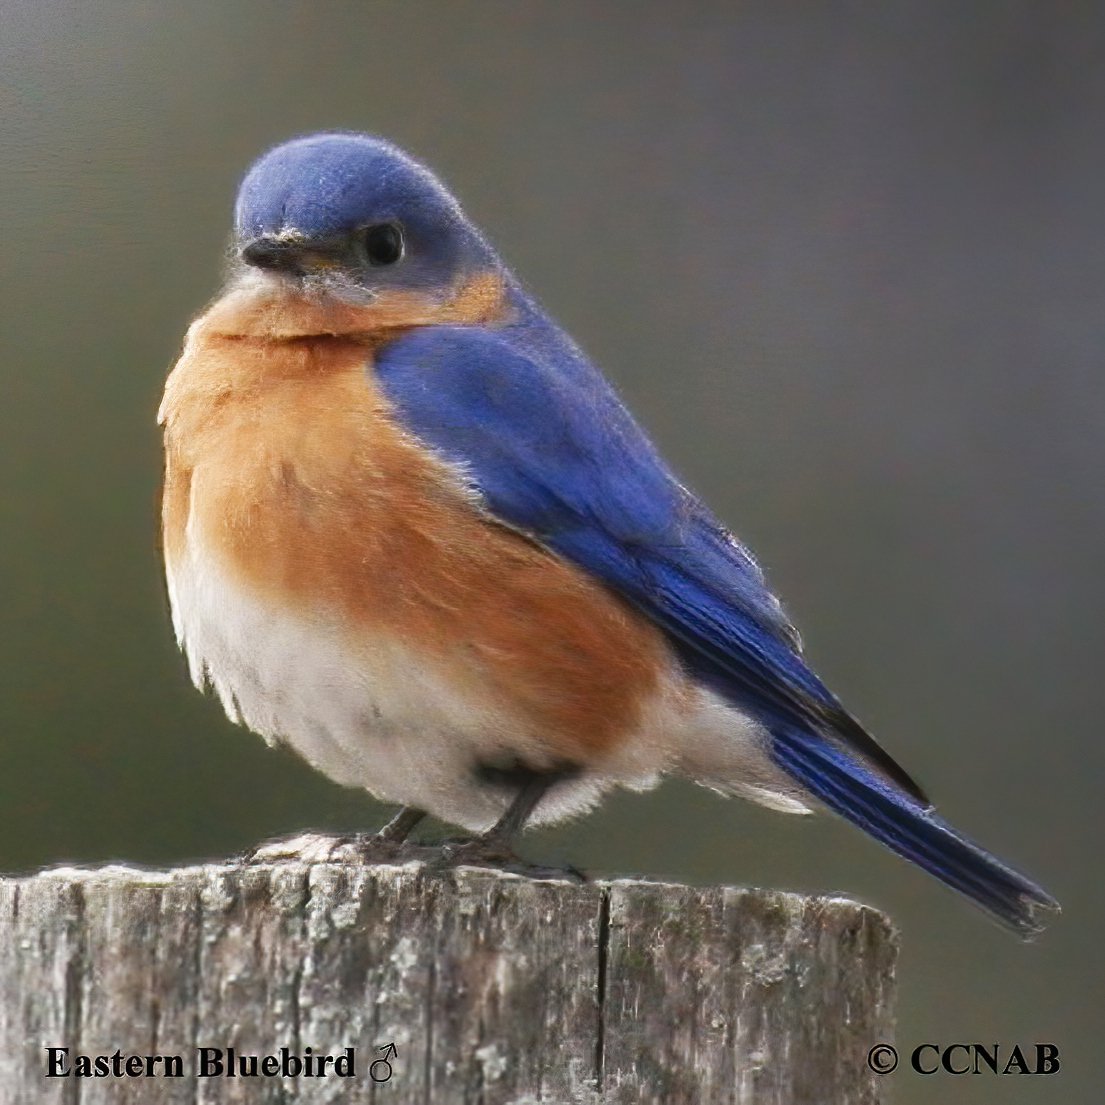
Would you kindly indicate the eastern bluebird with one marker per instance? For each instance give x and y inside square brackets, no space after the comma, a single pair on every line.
[411,532]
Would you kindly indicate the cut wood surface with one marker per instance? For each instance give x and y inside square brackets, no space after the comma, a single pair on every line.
[450,984]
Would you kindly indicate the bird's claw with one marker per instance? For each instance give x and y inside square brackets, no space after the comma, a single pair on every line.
[489,851]
[479,851]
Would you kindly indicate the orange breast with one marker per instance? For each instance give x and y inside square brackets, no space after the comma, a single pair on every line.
[285,458]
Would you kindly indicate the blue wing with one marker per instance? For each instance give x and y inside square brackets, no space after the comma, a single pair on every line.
[555,454]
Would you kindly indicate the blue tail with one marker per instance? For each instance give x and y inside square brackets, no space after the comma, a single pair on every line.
[857,793]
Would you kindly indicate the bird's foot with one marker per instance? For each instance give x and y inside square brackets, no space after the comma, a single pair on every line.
[489,850]
[479,851]
[496,852]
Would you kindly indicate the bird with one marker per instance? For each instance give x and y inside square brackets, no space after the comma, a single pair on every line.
[413,534]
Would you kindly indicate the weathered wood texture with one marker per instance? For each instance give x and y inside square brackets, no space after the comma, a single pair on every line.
[494,988]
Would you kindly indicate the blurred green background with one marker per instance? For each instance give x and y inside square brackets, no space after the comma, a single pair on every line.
[846,262]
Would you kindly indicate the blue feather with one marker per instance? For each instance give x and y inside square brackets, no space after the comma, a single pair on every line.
[554,453]
[910,830]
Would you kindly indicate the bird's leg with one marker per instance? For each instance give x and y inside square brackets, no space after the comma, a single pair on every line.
[493,848]
[399,827]
[518,812]
[322,848]
[384,844]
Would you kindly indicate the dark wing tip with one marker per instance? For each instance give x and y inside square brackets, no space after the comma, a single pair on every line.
[845,727]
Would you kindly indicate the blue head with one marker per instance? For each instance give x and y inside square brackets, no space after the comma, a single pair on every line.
[353,214]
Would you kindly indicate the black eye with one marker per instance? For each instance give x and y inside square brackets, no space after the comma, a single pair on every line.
[383,243]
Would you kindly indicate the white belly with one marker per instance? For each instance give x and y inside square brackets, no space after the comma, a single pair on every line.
[367,714]
[375,714]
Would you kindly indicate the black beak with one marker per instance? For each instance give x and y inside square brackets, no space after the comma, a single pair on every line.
[272,253]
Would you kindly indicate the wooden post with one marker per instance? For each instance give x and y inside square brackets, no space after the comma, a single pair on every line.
[451,985]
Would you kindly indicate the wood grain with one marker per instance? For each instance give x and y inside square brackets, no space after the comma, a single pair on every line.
[494,988]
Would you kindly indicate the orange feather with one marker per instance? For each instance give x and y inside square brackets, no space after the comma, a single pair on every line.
[283,454]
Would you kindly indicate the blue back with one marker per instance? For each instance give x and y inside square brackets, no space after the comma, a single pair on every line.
[545,440]
[556,454]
